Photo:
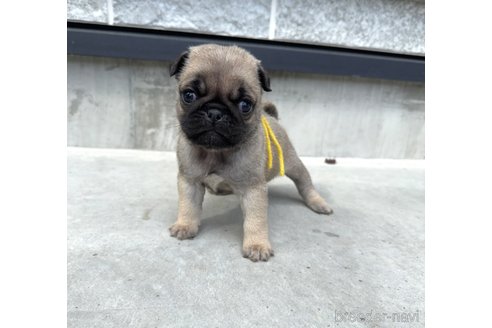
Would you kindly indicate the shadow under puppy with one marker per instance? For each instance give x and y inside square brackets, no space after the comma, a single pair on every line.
[231,142]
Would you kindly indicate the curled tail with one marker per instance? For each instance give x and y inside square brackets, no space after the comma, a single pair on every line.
[270,109]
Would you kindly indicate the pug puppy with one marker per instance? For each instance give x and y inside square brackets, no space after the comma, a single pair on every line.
[223,146]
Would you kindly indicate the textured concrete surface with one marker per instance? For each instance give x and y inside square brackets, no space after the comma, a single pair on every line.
[120,103]
[388,25]
[351,117]
[215,16]
[125,271]
[88,10]
[392,25]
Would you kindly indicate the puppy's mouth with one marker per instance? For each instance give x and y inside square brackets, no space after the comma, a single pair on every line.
[211,139]
[213,129]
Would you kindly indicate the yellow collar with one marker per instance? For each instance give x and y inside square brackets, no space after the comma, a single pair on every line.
[269,137]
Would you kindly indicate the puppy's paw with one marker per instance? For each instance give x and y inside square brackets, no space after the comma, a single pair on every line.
[258,252]
[183,231]
[319,205]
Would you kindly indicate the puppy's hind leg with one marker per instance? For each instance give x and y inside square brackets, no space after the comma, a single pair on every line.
[298,173]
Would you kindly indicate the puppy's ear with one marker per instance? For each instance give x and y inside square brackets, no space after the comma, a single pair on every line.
[177,66]
[264,79]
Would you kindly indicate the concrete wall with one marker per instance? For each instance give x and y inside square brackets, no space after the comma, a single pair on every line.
[389,25]
[120,103]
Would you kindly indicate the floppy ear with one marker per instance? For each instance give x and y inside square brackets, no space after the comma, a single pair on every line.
[176,68]
[264,79]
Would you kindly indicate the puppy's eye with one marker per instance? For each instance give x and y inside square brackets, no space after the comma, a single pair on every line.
[189,96]
[245,106]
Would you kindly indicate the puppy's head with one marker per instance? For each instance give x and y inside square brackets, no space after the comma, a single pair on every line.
[219,95]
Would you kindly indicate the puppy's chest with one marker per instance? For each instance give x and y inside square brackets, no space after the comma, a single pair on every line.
[215,163]
[212,163]
[226,166]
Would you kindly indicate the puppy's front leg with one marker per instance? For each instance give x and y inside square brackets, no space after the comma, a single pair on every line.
[190,194]
[254,203]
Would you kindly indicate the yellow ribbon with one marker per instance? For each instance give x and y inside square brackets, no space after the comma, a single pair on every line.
[269,137]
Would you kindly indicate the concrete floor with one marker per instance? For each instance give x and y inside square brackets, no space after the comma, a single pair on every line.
[124,270]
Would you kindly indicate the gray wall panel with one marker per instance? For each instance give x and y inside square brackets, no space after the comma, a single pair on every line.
[131,104]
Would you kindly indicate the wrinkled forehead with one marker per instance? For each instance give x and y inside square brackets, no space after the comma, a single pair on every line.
[221,73]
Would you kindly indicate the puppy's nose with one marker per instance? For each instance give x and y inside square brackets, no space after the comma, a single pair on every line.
[214,115]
